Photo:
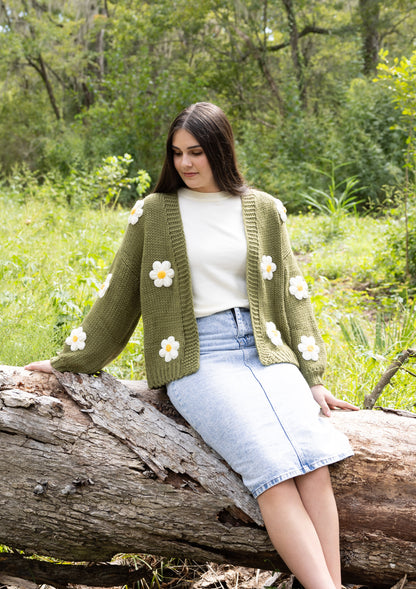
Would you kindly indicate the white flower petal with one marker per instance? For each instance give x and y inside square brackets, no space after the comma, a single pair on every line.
[76,340]
[169,349]
[298,287]
[104,287]
[162,273]
[281,209]
[308,348]
[273,333]
[267,267]
[136,212]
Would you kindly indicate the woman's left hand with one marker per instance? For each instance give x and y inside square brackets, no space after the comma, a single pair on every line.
[327,401]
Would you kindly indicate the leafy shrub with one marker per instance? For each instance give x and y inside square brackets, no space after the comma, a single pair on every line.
[108,184]
[398,256]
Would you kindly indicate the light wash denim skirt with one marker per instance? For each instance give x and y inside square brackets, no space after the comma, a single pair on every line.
[262,420]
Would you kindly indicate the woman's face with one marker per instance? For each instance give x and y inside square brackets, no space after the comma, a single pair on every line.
[191,163]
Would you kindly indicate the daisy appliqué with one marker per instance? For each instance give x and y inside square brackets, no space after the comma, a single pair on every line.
[281,210]
[308,348]
[104,287]
[273,333]
[76,340]
[162,273]
[298,287]
[267,267]
[136,212]
[169,349]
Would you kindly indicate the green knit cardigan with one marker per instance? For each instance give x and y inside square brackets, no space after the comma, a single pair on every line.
[283,322]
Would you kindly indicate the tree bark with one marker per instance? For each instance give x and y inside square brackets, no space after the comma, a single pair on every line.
[371,399]
[369,11]
[39,65]
[295,53]
[260,55]
[92,467]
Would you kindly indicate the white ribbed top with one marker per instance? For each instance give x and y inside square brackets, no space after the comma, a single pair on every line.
[216,248]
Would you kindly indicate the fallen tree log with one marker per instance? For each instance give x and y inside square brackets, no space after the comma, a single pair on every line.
[91,467]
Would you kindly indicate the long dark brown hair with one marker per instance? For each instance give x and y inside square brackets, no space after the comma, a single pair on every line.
[211,128]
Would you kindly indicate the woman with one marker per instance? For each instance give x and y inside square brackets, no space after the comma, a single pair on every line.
[229,329]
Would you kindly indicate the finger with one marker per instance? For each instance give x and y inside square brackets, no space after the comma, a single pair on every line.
[32,366]
[337,403]
[325,409]
[40,366]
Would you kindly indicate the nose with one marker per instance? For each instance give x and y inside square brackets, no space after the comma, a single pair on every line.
[186,160]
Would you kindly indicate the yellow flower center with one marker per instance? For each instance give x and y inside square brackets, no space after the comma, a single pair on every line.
[300,287]
[168,348]
[74,338]
[133,211]
[310,348]
[161,274]
[269,268]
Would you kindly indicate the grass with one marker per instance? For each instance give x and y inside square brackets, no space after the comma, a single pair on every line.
[53,259]
[351,296]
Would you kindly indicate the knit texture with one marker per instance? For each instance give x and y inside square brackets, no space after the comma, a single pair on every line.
[167,311]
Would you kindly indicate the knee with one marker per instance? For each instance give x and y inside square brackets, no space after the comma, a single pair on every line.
[318,479]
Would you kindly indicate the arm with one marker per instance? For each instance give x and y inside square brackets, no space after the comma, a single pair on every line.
[108,326]
[304,336]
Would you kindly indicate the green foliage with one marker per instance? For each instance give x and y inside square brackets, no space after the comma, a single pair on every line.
[49,287]
[393,331]
[111,178]
[398,258]
[283,157]
[54,256]
[78,85]
[369,136]
[107,184]
[338,200]
[400,77]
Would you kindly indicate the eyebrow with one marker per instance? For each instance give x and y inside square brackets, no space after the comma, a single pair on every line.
[188,148]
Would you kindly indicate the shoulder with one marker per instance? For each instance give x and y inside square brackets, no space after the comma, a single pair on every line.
[149,208]
[266,202]
[155,199]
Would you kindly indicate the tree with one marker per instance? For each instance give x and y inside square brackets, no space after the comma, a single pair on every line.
[90,468]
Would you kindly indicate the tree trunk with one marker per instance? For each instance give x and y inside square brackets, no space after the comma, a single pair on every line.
[295,53]
[39,65]
[92,467]
[369,11]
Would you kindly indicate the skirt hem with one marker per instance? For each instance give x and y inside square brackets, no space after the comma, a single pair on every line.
[298,472]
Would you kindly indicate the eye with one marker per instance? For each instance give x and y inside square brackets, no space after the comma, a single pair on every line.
[197,152]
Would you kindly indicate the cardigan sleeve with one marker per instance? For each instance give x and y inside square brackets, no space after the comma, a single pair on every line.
[113,317]
[306,340]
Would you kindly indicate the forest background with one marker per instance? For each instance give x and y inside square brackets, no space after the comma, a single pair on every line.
[322,98]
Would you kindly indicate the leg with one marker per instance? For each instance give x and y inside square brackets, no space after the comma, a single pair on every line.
[315,489]
[294,535]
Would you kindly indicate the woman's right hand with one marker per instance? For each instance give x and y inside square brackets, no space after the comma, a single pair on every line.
[40,366]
